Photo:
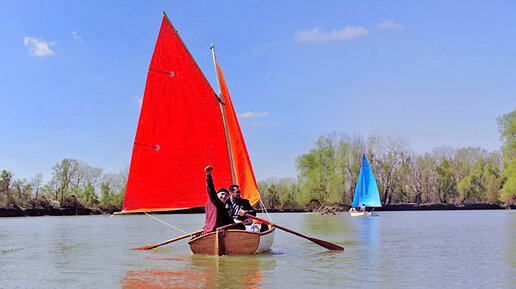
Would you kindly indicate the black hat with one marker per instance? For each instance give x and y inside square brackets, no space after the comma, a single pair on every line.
[223,190]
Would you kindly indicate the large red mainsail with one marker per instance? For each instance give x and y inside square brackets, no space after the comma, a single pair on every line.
[180,131]
[241,163]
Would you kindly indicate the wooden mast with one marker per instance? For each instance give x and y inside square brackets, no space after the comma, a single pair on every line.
[223,109]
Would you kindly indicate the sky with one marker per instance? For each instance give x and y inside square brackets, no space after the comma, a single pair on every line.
[436,73]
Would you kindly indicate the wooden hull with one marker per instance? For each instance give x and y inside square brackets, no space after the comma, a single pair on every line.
[232,242]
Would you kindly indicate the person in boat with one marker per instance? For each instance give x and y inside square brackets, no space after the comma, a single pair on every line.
[216,213]
[237,205]
[363,208]
[223,194]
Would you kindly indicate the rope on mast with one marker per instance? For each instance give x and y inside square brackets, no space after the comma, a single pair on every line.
[265,209]
[163,222]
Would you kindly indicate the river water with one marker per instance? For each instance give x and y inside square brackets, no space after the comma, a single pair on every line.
[430,249]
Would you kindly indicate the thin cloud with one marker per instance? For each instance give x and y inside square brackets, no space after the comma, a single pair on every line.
[256,123]
[316,35]
[387,24]
[250,114]
[38,47]
[76,38]
[260,50]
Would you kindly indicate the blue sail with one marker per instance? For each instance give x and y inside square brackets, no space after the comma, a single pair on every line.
[366,191]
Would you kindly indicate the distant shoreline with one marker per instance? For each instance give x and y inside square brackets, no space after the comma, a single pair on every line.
[18,212]
[439,207]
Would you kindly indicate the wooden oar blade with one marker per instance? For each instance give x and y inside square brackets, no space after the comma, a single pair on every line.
[327,245]
[322,243]
[148,247]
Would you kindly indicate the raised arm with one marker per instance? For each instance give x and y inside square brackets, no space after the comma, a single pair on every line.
[210,188]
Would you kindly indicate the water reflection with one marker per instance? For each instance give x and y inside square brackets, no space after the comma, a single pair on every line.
[511,246]
[325,225]
[366,232]
[200,271]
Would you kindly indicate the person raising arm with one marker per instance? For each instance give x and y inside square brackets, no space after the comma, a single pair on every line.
[216,213]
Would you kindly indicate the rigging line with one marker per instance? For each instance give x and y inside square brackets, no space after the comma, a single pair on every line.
[265,209]
[166,223]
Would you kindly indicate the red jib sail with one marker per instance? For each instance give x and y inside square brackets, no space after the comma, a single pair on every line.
[180,131]
[241,163]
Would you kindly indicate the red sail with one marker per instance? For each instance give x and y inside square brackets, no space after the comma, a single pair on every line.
[242,164]
[180,131]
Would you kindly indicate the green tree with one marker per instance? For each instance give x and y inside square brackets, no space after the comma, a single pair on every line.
[110,198]
[5,189]
[21,192]
[321,173]
[62,176]
[507,129]
[493,182]
[471,188]
[269,194]
[446,185]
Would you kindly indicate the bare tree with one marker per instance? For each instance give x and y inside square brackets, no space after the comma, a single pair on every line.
[36,182]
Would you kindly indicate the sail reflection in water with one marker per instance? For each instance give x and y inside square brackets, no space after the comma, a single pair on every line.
[510,255]
[366,230]
[200,271]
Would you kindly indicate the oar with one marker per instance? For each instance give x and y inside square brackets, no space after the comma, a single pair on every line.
[325,244]
[148,247]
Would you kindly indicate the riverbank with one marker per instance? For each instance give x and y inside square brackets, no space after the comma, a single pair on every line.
[437,207]
[427,207]
[18,212]
[80,211]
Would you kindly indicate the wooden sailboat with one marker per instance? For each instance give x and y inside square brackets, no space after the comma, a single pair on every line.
[366,192]
[183,127]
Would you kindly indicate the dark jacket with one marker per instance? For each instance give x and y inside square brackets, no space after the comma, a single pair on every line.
[216,213]
[235,205]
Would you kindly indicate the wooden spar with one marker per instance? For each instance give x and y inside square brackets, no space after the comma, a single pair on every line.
[148,247]
[223,109]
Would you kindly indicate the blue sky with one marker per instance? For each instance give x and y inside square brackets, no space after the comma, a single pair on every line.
[436,73]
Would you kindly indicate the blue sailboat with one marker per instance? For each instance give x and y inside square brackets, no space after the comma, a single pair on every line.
[366,192]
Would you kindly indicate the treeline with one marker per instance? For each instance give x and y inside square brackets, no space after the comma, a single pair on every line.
[74,184]
[327,175]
